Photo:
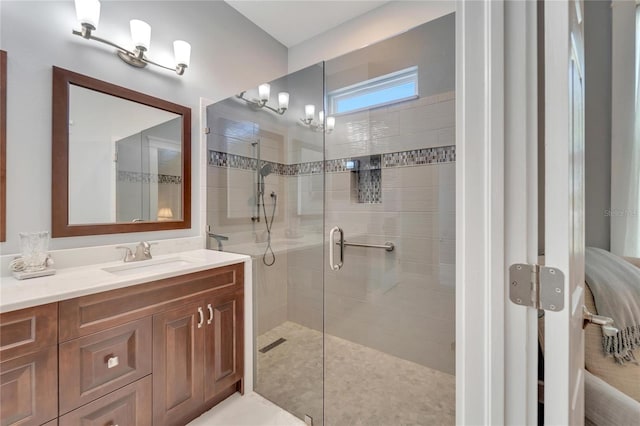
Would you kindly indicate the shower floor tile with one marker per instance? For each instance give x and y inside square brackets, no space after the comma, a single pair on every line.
[363,386]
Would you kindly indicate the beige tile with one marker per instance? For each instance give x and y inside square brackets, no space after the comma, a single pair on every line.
[362,385]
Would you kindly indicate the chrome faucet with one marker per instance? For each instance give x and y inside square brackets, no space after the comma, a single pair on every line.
[217,237]
[143,252]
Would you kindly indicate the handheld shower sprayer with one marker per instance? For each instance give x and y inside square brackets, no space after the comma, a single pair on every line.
[265,171]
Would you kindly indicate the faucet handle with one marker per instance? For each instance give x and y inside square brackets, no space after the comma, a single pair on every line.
[143,252]
[128,254]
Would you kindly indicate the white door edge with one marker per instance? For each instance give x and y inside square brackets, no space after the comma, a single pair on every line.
[480,266]
[521,206]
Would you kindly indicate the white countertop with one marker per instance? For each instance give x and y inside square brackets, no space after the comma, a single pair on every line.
[68,283]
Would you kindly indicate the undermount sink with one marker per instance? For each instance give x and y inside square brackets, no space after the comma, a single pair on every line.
[151,266]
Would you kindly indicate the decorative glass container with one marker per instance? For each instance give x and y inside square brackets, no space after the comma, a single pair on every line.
[34,246]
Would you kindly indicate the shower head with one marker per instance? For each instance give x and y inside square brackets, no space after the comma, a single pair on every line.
[265,170]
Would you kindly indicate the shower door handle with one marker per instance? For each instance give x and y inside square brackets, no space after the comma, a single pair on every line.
[332,244]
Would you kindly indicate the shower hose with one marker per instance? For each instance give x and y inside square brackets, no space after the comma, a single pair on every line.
[268,224]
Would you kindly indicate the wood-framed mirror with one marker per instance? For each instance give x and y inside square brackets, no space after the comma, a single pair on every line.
[121,159]
[3,145]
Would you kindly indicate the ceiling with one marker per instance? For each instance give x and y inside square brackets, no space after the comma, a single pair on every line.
[292,22]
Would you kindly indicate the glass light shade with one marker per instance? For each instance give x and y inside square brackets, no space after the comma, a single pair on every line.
[264,91]
[283,100]
[309,111]
[88,12]
[182,52]
[140,34]
[331,123]
[321,116]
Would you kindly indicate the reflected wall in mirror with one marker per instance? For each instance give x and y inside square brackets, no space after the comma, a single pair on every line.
[121,159]
[3,145]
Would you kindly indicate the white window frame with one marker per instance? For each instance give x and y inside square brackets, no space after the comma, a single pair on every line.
[407,75]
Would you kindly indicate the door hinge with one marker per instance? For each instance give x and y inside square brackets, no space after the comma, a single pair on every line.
[540,287]
[206,130]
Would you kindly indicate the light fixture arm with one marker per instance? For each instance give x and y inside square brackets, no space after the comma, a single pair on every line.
[317,126]
[260,103]
[136,59]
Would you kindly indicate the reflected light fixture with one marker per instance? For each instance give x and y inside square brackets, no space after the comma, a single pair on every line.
[88,15]
[264,92]
[164,214]
[317,126]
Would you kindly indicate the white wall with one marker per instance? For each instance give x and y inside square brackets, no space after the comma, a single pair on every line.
[597,44]
[386,21]
[624,142]
[223,44]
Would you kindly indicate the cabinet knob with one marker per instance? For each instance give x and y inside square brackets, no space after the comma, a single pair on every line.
[112,361]
[200,317]
[210,320]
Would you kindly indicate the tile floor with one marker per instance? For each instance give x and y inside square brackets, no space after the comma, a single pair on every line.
[248,410]
[362,386]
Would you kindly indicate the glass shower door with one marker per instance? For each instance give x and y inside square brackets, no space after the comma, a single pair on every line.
[389,301]
[265,198]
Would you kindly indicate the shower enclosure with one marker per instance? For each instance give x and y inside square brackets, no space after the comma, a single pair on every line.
[354,303]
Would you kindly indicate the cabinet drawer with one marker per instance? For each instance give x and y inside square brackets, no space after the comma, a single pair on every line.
[28,330]
[128,406]
[95,365]
[29,388]
[89,314]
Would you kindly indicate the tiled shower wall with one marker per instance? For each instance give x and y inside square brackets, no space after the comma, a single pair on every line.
[400,302]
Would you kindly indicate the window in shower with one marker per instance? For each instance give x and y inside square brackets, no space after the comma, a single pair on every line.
[380,91]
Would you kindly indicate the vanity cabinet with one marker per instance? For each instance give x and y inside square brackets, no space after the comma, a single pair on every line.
[29,366]
[197,356]
[156,353]
[183,334]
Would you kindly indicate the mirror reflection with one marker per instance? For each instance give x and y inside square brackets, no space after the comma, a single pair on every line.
[125,160]
[121,159]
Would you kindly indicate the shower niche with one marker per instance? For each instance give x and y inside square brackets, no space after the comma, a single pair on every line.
[366,179]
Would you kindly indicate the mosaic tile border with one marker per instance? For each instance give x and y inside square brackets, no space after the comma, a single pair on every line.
[139,177]
[416,157]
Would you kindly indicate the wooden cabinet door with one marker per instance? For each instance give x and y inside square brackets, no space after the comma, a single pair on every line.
[223,340]
[177,364]
[29,388]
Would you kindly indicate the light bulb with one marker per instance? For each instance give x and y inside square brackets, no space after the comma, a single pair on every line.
[264,91]
[331,123]
[182,52]
[140,34]
[283,100]
[309,111]
[88,12]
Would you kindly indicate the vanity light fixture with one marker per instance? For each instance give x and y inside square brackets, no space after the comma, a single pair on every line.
[88,14]
[264,92]
[317,126]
